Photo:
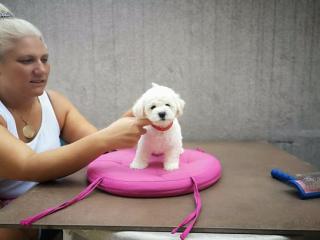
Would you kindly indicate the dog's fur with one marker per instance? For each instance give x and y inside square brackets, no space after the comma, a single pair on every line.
[161,105]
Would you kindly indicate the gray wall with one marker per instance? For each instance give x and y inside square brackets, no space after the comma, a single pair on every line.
[248,70]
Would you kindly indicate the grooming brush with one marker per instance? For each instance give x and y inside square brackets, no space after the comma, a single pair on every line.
[308,184]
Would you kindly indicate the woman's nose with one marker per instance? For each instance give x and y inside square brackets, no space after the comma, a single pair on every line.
[40,68]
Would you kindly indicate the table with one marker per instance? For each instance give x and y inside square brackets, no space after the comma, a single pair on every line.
[245,200]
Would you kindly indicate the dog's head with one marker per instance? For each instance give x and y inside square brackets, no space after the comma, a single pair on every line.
[160,104]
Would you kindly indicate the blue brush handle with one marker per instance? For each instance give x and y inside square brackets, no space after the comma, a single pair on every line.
[281,176]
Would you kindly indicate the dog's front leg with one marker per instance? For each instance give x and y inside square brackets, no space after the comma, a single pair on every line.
[171,160]
[141,158]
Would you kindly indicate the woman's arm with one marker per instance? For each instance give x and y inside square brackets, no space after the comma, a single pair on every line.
[18,161]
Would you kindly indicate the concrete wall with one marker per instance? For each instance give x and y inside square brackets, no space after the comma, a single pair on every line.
[248,70]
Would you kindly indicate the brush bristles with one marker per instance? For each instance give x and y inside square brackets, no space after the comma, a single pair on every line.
[312,184]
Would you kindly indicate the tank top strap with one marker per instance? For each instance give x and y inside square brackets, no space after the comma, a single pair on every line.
[11,123]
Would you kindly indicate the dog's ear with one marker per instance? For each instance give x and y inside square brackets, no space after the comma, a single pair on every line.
[180,105]
[138,109]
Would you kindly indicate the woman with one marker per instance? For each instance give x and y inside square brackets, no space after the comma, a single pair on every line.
[33,120]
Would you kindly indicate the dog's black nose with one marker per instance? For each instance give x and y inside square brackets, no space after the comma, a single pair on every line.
[162,115]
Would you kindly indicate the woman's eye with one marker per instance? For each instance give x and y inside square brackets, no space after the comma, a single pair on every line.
[44,60]
[25,61]
[168,105]
[152,107]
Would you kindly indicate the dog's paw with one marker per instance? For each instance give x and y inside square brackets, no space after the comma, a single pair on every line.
[181,150]
[138,165]
[169,166]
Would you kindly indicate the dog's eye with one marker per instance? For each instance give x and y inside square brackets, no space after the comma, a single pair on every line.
[168,105]
[153,107]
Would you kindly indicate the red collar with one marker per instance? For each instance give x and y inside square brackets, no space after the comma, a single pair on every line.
[161,128]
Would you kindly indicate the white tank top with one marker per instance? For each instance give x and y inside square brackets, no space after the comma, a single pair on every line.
[47,138]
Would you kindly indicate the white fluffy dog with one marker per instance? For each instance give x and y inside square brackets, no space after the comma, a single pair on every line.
[161,105]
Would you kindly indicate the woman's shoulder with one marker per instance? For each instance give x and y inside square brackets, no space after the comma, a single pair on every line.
[58,98]
[60,104]
[55,95]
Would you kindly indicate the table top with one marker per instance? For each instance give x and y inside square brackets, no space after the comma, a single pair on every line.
[245,200]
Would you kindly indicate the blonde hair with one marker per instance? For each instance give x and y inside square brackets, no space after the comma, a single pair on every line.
[12,28]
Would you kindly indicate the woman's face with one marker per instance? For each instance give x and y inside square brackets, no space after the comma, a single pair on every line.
[24,69]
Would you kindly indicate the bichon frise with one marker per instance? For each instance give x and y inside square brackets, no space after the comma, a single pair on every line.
[161,105]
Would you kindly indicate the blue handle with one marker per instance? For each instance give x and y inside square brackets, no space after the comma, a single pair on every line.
[281,176]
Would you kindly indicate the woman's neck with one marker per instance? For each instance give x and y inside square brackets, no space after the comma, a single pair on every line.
[20,104]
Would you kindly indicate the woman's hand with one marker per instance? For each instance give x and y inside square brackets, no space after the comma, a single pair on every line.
[125,132]
[128,113]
